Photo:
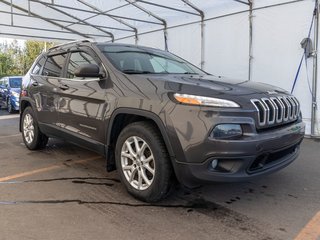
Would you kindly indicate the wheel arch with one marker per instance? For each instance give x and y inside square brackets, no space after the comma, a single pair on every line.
[24,103]
[120,119]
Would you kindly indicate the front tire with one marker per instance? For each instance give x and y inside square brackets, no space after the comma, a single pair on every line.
[32,136]
[143,162]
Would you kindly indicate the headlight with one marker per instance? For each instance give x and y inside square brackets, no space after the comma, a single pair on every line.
[204,101]
[15,94]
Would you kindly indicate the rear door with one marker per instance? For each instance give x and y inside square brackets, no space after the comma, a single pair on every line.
[45,83]
[82,101]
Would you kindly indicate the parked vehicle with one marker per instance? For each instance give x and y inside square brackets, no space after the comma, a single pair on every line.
[10,93]
[157,117]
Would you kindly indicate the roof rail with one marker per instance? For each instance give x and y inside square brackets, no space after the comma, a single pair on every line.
[72,42]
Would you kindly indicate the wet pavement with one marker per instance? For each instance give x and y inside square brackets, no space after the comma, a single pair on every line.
[63,192]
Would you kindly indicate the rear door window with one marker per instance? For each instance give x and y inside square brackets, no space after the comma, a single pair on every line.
[54,65]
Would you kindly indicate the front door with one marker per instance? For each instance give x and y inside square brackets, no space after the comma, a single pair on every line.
[82,101]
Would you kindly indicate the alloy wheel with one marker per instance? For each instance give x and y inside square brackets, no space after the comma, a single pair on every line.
[137,162]
[28,128]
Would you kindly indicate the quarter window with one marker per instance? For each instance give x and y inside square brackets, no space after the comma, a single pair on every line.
[54,65]
[37,68]
[76,60]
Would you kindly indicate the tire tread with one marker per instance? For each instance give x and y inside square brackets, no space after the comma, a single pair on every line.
[165,182]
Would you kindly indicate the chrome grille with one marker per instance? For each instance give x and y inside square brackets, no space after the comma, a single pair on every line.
[276,110]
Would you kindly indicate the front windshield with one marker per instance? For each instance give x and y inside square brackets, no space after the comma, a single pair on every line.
[15,82]
[140,60]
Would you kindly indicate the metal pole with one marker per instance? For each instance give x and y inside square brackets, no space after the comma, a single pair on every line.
[109,34]
[11,7]
[68,22]
[114,18]
[250,38]
[29,8]
[136,38]
[202,43]
[163,21]
[165,35]
[43,18]
[202,26]
[239,1]
[104,13]
[166,7]
[315,70]
[47,38]
[45,30]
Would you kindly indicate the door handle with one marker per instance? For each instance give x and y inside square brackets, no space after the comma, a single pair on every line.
[35,83]
[64,87]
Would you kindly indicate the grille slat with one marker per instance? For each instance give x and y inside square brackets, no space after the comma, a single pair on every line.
[276,110]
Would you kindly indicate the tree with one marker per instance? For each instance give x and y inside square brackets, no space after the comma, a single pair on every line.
[16,59]
[8,54]
[5,63]
[32,49]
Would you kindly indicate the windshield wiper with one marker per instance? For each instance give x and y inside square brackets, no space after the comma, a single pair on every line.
[132,71]
[194,73]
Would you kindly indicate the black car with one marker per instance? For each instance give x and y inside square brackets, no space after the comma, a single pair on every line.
[156,117]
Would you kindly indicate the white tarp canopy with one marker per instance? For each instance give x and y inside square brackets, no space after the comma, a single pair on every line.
[257,40]
[103,19]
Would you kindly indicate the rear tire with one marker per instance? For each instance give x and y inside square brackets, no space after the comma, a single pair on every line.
[32,136]
[143,162]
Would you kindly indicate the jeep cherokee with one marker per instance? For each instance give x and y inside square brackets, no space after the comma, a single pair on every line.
[156,117]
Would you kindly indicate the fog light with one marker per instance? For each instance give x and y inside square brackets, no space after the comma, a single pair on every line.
[214,163]
[225,131]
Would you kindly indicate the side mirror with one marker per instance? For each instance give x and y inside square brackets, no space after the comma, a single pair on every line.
[88,70]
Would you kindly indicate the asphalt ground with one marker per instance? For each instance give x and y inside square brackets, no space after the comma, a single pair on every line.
[64,192]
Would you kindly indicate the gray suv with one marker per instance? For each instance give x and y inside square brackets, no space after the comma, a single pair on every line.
[156,117]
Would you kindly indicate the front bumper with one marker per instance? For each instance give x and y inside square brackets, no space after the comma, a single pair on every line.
[241,160]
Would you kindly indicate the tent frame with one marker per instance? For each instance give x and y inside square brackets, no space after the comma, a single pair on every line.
[104,31]
[97,12]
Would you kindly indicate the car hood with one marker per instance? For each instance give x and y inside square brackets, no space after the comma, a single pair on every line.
[207,85]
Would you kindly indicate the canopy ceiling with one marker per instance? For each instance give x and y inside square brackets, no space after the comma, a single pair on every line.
[61,20]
